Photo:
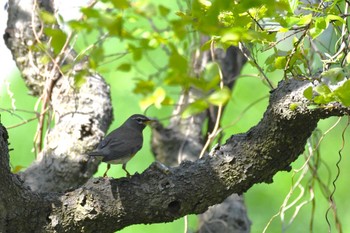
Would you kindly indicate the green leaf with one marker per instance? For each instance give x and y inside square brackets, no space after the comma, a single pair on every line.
[47,17]
[308,93]
[343,93]
[58,38]
[293,106]
[124,67]
[144,87]
[90,12]
[156,99]
[80,79]
[318,27]
[322,89]
[305,20]
[220,97]
[177,62]
[121,4]
[330,18]
[280,62]
[324,99]
[45,59]
[334,75]
[196,107]
[114,24]
[164,11]
[136,52]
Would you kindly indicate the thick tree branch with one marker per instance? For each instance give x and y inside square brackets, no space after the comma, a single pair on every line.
[245,159]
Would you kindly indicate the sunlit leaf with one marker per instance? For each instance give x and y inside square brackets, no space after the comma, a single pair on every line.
[80,79]
[47,17]
[194,108]
[156,99]
[319,26]
[308,93]
[220,97]
[58,38]
[343,93]
[293,106]
[90,12]
[121,4]
[330,18]
[322,89]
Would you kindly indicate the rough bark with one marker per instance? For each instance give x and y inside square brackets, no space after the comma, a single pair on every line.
[43,204]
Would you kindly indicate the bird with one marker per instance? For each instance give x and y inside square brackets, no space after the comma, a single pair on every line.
[119,146]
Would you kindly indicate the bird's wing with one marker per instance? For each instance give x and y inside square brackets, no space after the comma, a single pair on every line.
[126,147]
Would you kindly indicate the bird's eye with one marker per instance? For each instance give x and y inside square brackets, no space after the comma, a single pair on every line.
[139,120]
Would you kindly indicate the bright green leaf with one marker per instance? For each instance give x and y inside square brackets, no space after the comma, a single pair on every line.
[220,97]
[47,17]
[322,89]
[194,108]
[318,27]
[80,79]
[156,99]
[58,38]
[343,93]
[90,12]
[305,20]
[293,106]
[308,93]
[120,4]
[45,59]
[330,18]
[280,62]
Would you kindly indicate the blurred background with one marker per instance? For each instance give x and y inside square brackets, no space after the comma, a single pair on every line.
[308,202]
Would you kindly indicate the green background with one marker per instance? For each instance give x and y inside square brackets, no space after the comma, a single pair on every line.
[263,200]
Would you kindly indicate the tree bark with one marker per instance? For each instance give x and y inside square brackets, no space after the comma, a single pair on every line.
[46,199]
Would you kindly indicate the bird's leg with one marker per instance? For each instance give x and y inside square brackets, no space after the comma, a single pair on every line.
[108,167]
[124,168]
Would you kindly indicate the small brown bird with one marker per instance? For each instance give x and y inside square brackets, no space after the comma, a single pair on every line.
[123,143]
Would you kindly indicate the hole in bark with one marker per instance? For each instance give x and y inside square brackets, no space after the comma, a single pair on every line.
[83,201]
[85,130]
[174,207]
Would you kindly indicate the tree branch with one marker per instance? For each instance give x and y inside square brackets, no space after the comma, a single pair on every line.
[245,159]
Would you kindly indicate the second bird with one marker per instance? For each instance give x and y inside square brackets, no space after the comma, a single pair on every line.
[123,143]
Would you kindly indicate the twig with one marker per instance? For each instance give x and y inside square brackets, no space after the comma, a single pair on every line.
[212,135]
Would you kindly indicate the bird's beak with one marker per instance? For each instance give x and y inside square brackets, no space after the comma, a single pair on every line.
[150,121]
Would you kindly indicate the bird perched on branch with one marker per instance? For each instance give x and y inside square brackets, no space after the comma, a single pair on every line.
[123,143]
